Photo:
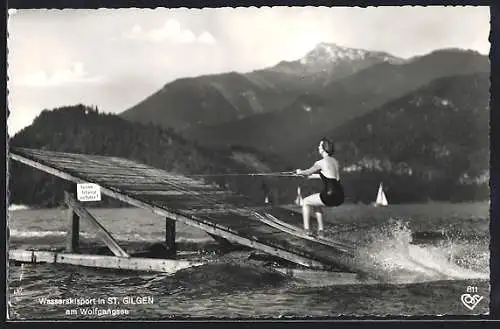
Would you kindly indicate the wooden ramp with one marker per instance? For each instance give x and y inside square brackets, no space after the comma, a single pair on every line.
[223,214]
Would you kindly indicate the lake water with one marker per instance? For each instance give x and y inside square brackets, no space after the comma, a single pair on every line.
[428,254]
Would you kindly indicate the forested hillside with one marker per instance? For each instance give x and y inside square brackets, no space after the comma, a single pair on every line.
[82,129]
[430,144]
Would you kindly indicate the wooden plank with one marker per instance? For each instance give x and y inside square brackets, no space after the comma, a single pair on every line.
[189,203]
[98,261]
[156,180]
[97,162]
[171,193]
[244,224]
[100,172]
[216,202]
[191,200]
[194,221]
[82,164]
[150,188]
[71,158]
[179,194]
[186,204]
[125,175]
[105,174]
[234,220]
[62,160]
[101,231]
[209,212]
[146,181]
[171,177]
[162,183]
[85,168]
[71,162]
[92,167]
[126,186]
[73,234]
[57,154]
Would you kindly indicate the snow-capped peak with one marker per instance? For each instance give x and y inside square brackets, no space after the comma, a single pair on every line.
[330,57]
[330,53]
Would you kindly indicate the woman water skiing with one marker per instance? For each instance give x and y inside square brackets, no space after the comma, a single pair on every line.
[332,194]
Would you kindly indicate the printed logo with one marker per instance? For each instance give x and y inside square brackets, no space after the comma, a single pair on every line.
[470,301]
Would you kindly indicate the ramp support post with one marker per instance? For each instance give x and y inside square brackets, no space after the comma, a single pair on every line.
[170,237]
[80,212]
[73,234]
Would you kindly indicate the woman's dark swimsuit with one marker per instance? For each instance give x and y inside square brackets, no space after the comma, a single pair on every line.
[333,192]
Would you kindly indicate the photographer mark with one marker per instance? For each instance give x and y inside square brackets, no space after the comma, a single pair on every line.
[471,299]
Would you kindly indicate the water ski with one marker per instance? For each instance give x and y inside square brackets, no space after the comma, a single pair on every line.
[323,239]
[296,231]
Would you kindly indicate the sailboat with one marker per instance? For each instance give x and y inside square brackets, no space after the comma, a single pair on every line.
[381,198]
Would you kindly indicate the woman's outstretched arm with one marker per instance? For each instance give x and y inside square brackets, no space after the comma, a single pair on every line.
[312,170]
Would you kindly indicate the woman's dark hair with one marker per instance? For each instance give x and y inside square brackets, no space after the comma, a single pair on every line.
[327,146]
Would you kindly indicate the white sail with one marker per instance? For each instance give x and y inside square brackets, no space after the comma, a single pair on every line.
[381,198]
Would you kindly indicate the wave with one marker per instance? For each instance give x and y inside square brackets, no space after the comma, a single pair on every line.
[391,255]
[227,277]
[20,234]
[422,237]
[136,237]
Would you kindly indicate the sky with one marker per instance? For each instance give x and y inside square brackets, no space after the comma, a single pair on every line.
[114,58]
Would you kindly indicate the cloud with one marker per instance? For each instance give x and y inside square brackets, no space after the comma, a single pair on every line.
[206,37]
[171,31]
[41,78]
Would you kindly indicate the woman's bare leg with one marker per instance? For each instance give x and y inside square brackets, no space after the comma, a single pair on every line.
[319,217]
[306,213]
[311,201]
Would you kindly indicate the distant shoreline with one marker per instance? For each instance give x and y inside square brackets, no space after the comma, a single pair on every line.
[16,207]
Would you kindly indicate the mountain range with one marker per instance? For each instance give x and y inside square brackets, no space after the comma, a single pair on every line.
[214,99]
[420,125]
[313,114]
